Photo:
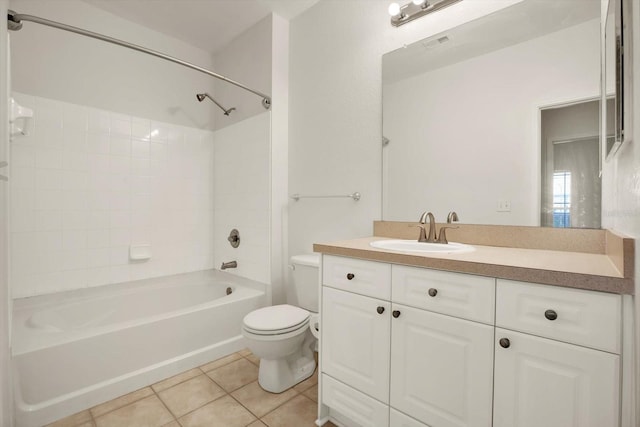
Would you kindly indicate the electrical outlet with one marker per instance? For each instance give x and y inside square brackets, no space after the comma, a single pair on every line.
[504,205]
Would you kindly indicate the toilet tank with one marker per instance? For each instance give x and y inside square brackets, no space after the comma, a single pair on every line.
[305,279]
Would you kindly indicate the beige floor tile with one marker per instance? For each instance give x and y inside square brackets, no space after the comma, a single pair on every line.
[312,393]
[257,423]
[220,362]
[177,379]
[121,401]
[73,420]
[308,383]
[235,375]
[261,402]
[87,424]
[172,424]
[148,412]
[245,352]
[298,412]
[191,394]
[224,412]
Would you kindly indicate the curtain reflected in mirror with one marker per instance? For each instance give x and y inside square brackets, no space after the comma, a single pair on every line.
[571,182]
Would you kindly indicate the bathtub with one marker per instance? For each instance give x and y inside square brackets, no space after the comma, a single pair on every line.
[74,350]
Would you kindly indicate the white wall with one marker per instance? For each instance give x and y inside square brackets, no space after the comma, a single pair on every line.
[335,116]
[247,59]
[6,398]
[241,176]
[621,183]
[88,183]
[279,156]
[438,162]
[55,64]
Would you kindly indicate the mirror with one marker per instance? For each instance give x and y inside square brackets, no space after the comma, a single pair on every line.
[462,111]
[613,81]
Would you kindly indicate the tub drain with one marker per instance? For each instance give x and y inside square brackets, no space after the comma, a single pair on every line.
[229,291]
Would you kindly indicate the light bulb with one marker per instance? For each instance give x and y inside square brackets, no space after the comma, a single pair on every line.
[394,9]
[418,2]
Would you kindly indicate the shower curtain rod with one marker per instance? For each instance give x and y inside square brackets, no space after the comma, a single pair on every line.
[15,23]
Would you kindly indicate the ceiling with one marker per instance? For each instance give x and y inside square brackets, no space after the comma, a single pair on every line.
[207,24]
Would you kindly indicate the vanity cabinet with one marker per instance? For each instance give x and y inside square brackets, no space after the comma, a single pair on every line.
[432,367]
[557,357]
[412,347]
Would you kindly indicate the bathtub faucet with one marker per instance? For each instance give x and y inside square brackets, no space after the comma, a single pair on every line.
[230,264]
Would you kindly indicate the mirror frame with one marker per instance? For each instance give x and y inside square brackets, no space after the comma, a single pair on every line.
[612,141]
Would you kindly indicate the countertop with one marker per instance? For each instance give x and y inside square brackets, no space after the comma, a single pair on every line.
[590,271]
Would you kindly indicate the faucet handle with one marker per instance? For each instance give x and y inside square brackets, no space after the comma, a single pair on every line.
[442,236]
[452,217]
[423,233]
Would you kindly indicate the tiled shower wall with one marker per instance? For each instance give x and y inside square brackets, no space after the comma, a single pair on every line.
[242,195]
[87,183]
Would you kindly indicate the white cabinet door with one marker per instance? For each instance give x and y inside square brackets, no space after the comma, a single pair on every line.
[441,368]
[541,382]
[355,341]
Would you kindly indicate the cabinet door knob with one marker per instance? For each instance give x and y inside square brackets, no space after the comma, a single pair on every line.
[380,309]
[350,276]
[505,343]
[396,313]
[433,292]
[551,314]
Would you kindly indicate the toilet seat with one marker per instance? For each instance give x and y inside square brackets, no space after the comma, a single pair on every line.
[276,320]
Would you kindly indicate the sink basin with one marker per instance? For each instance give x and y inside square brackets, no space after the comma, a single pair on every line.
[421,247]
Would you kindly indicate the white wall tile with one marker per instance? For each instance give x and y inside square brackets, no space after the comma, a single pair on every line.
[98,238]
[92,182]
[98,143]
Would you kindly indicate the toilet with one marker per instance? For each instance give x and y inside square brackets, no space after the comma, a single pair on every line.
[284,336]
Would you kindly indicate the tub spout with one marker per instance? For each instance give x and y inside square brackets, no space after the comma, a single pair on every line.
[230,264]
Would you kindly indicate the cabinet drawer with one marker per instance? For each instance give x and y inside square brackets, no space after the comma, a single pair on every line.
[587,318]
[398,419]
[356,275]
[358,407]
[460,295]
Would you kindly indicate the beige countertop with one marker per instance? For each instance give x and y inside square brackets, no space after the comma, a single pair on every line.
[581,270]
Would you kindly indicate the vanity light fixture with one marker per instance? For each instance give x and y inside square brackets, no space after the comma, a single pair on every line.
[415,9]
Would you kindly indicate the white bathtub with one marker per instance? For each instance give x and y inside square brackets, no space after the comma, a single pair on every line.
[74,350]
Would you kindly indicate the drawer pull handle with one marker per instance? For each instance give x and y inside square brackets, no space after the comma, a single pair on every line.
[433,292]
[380,309]
[350,276]
[551,314]
[396,313]
[505,343]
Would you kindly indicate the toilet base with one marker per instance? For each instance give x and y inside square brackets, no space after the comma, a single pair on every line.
[279,375]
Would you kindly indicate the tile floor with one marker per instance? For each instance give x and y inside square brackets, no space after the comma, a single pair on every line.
[223,393]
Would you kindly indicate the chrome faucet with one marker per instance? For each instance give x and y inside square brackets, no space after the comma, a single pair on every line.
[230,264]
[431,236]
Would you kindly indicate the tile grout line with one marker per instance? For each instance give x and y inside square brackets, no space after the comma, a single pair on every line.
[175,418]
[273,410]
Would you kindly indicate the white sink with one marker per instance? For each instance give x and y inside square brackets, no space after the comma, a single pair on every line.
[421,247]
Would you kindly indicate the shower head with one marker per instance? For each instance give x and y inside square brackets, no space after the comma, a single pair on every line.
[202,96]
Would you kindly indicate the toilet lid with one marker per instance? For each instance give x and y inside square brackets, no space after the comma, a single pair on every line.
[276,318]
